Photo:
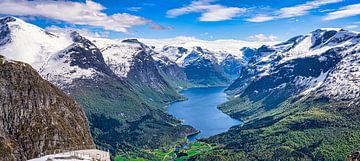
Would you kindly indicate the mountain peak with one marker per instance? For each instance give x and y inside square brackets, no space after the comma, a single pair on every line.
[76,37]
[131,41]
[4,59]
[331,29]
[7,19]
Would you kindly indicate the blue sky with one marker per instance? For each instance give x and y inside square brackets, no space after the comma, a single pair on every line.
[253,20]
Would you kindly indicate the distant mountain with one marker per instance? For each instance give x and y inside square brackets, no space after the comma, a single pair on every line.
[200,65]
[36,116]
[206,63]
[299,100]
[172,72]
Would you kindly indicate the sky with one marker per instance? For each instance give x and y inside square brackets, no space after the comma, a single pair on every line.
[251,20]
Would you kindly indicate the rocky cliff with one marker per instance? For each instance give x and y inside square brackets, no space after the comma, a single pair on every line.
[36,117]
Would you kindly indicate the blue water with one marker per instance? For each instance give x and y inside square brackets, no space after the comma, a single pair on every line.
[200,111]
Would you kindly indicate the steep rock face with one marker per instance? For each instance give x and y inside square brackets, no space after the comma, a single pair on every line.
[86,55]
[36,116]
[5,30]
[174,74]
[146,72]
[248,53]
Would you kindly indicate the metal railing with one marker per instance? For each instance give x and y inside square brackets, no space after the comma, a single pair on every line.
[81,152]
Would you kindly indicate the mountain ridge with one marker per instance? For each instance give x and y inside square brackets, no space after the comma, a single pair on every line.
[301,95]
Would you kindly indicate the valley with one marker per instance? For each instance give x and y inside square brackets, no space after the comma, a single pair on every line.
[181,98]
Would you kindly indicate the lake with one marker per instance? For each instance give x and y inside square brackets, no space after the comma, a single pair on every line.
[200,111]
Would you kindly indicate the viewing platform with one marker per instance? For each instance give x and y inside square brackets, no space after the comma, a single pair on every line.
[78,155]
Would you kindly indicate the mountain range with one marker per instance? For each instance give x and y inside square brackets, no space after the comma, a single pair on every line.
[298,99]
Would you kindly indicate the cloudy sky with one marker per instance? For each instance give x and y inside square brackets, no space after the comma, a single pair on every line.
[253,20]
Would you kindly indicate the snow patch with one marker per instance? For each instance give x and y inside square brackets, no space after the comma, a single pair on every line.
[59,71]
[118,55]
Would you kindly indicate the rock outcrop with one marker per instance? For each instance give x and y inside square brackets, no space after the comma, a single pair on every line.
[36,117]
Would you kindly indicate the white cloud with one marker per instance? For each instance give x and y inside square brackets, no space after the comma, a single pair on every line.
[294,11]
[261,18]
[83,31]
[352,26]
[263,38]
[347,11]
[134,9]
[160,27]
[88,13]
[209,12]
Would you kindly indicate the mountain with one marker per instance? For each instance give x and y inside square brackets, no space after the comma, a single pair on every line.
[205,63]
[132,61]
[200,66]
[124,111]
[232,66]
[36,116]
[172,72]
[80,60]
[299,100]
[18,37]
[297,66]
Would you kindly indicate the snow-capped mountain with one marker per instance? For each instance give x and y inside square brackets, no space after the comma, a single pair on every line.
[81,60]
[232,66]
[201,66]
[28,43]
[63,58]
[58,57]
[181,56]
[215,46]
[119,55]
[132,61]
[343,82]
[324,62]
[222,59]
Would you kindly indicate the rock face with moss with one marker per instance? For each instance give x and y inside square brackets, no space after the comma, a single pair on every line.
[36,117]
